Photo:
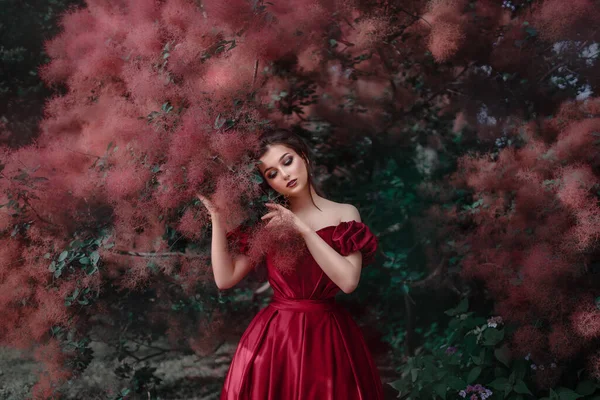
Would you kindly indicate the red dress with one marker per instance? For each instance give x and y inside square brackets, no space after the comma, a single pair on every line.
[303,345]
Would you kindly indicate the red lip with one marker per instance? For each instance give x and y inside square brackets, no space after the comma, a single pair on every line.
[290,182]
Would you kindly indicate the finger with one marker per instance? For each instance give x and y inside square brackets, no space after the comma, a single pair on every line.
[269,215]
[273,222]
[204,200]
[274,206]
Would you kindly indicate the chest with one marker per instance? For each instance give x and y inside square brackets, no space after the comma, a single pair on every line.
[319,220]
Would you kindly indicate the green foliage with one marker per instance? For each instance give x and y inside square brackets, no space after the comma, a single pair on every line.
[141,380]
[22,93]
[80,254]
[474,351]
[79,347]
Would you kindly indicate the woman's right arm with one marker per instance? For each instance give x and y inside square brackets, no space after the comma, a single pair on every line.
[227,270]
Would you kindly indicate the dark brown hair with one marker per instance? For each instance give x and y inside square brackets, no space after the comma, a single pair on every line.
[296,143]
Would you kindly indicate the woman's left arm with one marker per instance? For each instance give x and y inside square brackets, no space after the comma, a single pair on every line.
[344,271]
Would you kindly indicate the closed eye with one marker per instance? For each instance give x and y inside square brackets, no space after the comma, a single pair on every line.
[287,162]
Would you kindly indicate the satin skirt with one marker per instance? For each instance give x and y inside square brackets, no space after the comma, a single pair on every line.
[299,350]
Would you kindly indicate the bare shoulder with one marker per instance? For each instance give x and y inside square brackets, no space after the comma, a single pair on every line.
[346,212]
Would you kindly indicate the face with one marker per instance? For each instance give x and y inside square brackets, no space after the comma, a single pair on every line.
[281,165]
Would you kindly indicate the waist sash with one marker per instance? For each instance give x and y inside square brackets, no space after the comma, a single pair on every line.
[303,305]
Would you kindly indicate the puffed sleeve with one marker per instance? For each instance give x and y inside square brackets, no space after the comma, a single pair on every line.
[238,238]
[351,236]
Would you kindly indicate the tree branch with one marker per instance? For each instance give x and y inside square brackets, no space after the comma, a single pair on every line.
[156,254]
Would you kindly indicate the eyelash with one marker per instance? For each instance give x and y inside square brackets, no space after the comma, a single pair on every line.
[270,176]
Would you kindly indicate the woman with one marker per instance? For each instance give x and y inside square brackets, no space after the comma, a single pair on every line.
[302,345]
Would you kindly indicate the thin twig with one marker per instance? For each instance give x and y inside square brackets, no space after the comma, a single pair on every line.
[414,16]
[561,64]
[28,203]
[255,72]
[80,152]
[445,87]
[156,254]
[431,277]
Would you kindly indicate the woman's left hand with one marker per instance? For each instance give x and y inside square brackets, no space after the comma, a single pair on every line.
[279,213]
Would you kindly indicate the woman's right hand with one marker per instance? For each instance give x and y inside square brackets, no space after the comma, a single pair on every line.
[212,209]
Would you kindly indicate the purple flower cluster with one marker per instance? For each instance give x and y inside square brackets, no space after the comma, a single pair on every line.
[478,392]
[493,322]
[509,5]
[541,366]
[450,350]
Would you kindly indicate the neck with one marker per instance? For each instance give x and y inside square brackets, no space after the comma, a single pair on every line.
[302,202]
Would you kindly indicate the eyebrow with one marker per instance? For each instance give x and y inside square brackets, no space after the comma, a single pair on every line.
[280,158]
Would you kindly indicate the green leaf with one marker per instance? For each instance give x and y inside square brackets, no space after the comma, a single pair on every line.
[492,336]
[521,388]
[567,394]
[585,388]
[219,122]
[52,267]
[94,257]
[474,374]
[531,31]
[428,373]
[453,324]
[84,260]
[478,360]
[498,383]
[414,373]
[397,385]
[90,270]
[256,178]
[507,389]
[462,307]
[405,288]
[440,390]
[512,378]
[503,355]
[63,255]
[456,383]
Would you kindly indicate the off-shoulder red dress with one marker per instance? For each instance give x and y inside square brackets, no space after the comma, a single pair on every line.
[303,346]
